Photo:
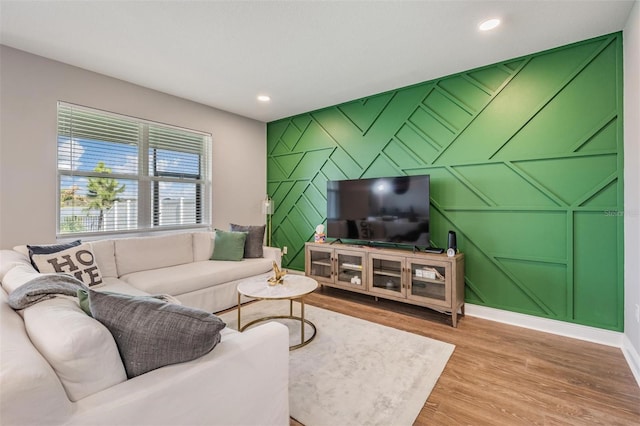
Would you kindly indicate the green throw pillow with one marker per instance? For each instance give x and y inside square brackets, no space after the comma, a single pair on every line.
[228,245]
[83,301]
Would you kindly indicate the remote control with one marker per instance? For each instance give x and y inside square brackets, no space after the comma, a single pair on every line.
[434,250]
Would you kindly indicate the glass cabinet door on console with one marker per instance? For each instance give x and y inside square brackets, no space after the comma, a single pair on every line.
[385,274]
[428,281]
[320,263]
[350,268]
[339,267]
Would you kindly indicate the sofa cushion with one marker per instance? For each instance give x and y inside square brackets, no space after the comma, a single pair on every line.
[145,253]
[22,249]
[194,276]
[30,391]
[151,333]
[80,349]
[11,258]
[78,261]
[104,252]
[229,245]
[17,276]
[116,285]
[254,241]
[202,245]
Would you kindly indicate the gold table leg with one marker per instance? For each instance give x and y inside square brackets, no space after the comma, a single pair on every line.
[290,316]
[301,320]
[239,328]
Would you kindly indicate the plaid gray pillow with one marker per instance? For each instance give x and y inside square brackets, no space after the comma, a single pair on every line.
[151,333]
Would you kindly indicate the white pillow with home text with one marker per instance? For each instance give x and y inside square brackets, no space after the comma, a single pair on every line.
[76,261]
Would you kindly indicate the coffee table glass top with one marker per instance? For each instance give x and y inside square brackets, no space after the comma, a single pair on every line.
[293,286]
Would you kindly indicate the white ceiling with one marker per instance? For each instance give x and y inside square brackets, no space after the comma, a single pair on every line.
[304,54]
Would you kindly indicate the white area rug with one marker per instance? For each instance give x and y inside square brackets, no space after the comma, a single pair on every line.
[354,372]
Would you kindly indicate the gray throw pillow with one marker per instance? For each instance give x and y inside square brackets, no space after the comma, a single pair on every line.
[151,333]
[255,239]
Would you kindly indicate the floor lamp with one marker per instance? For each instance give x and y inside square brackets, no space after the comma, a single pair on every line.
[267,209]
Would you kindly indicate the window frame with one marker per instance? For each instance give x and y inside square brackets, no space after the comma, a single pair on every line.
[147,207]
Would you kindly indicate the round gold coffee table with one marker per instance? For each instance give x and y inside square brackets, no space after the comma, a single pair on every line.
[294,287]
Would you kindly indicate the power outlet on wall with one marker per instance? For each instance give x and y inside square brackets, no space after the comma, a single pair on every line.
[637,313]
[284,250]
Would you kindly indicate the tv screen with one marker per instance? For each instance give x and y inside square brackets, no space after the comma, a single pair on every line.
[390,210]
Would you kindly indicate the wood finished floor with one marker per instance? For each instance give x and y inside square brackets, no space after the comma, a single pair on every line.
[505,375]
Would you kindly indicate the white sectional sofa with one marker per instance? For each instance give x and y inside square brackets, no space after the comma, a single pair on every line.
[60,366]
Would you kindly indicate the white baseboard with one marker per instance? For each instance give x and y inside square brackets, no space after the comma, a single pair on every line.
[632,356]
[561,328]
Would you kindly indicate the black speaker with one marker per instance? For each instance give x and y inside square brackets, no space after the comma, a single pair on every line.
[452,241]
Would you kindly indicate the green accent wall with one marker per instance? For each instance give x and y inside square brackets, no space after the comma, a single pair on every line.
[525,159]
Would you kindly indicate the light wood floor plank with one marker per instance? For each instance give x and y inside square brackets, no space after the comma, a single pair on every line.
[506,375]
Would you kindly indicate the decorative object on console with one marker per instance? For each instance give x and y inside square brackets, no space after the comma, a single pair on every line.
[430,273]
[267,209]
[319,236]
[151,333]
[452,244]
[278,277]
[254,241]
[228,245]
[78,261]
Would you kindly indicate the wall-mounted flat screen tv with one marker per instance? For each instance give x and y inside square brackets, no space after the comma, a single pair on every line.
[388,210]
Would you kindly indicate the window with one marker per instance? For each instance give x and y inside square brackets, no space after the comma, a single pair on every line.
[121,174]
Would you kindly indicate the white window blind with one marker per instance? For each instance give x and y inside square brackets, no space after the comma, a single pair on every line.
[122,174]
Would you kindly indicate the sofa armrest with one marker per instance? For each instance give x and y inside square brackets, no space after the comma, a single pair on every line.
[30,391]
[9,259]
[244,380]
[273,253]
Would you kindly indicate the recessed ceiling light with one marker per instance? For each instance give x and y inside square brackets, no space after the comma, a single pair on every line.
[489,24]
[264,98]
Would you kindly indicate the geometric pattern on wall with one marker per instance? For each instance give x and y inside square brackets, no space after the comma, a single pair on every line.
[525,159]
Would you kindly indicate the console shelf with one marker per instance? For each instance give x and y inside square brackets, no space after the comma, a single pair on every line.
[427,280]
[432,280]
[387,273]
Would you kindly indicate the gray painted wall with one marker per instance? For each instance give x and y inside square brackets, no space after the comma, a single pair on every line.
[30,87]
